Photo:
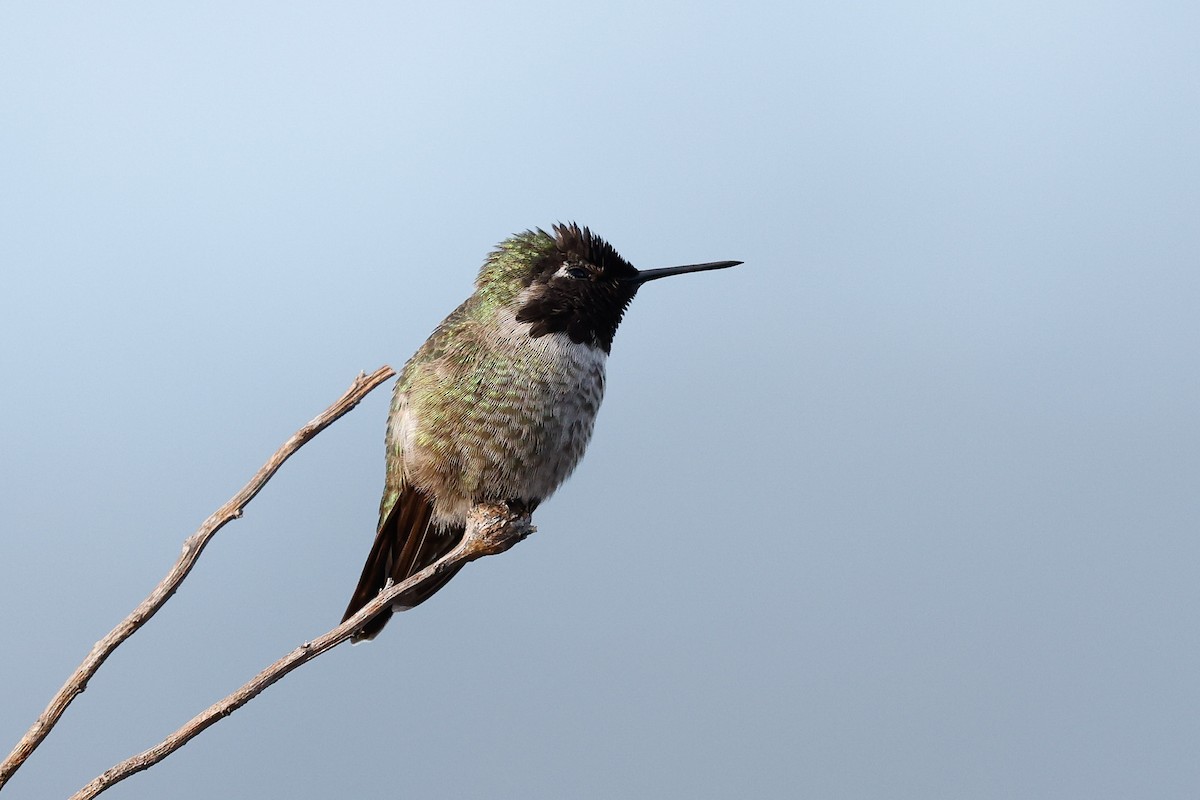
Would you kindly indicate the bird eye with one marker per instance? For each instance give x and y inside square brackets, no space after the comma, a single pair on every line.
[578,273]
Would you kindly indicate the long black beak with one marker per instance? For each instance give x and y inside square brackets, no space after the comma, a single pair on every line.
[654,274]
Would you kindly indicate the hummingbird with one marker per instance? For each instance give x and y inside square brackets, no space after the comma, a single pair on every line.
[497,406]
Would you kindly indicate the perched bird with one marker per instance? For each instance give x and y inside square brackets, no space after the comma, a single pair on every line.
[497,406]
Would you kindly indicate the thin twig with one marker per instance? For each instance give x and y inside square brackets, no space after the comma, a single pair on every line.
[490,530]
[192,547]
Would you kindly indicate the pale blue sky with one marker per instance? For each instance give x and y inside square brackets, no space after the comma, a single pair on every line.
[906,507]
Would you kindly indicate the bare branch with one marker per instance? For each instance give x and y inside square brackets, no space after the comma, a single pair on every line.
[490,530]
[192,547]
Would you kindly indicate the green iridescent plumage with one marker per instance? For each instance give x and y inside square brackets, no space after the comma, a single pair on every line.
[497,406]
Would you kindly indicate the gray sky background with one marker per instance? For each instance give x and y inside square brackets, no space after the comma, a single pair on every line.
[906,507]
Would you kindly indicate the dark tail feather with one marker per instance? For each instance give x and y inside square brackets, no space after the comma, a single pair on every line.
[406,544]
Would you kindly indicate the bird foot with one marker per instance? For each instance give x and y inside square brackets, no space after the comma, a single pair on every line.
[492,529]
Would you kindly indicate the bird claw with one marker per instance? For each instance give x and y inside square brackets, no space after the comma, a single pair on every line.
[492,529]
